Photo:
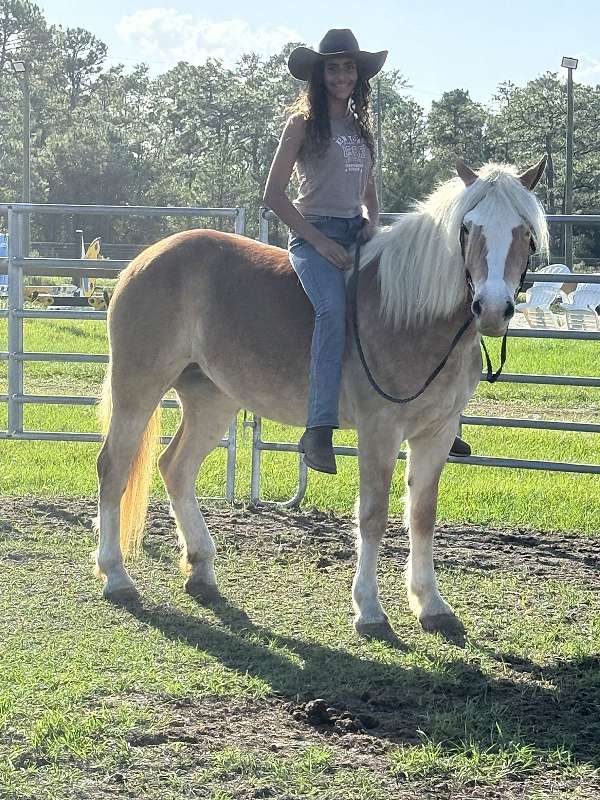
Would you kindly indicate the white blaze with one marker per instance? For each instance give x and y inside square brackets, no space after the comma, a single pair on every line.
[497,223]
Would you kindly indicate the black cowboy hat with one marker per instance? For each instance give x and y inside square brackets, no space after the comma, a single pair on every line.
[336,42]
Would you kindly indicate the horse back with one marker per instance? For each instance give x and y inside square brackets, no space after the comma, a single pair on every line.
[222,299]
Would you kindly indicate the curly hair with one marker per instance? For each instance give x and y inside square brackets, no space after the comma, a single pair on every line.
[312,105]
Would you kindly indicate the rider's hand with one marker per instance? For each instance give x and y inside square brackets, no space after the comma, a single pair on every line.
[367,232]
[333,252]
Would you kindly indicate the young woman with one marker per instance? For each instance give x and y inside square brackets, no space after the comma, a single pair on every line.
[328,140]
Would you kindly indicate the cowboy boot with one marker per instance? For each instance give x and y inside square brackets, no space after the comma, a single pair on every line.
[316,445]
[460,448]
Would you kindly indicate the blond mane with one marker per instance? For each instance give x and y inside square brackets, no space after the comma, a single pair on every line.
[421,270]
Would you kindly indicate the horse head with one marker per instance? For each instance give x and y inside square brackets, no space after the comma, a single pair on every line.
[496,240]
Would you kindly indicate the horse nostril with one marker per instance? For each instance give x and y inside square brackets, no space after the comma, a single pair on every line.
[476,308]
[510,310]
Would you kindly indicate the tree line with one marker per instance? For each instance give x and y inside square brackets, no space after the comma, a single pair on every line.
[205,134]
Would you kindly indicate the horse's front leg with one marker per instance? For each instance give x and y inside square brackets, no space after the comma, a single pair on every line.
[425,463]
[377,454]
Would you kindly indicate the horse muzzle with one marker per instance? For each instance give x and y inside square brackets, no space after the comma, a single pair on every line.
[492,316]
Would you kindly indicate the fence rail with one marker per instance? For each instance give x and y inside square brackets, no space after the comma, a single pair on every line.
[19,264]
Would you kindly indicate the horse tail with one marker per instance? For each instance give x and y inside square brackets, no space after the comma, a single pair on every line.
[134,502]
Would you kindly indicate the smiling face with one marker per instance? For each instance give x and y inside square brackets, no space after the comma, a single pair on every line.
[339,76]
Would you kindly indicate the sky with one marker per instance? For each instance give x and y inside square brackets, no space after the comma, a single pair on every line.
[437,45]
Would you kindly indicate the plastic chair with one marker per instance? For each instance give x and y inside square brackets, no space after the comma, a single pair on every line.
[540,297]
[580,308]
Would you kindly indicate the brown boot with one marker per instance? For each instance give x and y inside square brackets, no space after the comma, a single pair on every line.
[460,448]
[316,445]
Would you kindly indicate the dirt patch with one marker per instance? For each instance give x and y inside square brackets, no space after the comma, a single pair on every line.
[266,731]
[329,538]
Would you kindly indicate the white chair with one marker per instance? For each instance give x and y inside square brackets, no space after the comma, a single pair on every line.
[580,308]
[540,297]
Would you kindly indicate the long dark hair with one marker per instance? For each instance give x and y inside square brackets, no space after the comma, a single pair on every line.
[312,104]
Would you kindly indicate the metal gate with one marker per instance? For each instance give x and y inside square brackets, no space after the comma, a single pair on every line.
[19,264]
[259,445]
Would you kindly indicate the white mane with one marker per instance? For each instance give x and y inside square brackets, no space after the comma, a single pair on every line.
[421,270]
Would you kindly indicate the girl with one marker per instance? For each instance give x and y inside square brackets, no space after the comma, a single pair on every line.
[328,139]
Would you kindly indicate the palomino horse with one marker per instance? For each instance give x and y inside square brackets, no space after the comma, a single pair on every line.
[223,320]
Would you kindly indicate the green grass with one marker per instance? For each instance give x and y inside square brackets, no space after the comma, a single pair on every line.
[89,691]
[521,498]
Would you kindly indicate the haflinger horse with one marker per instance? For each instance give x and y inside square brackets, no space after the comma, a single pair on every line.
[223,320]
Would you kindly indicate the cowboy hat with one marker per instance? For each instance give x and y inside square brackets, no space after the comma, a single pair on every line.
[336,42]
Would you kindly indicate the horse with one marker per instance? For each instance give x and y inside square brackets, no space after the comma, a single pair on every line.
[222,320]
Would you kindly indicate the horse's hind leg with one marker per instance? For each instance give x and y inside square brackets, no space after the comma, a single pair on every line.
[127,425]
[206,414]
[426,461]
[377,453]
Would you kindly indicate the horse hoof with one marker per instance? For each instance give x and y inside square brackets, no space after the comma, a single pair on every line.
[121,597]
[378,631]
[447,625]
[205,593]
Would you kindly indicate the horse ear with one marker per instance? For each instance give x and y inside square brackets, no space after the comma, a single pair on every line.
[465,173]
[531,177]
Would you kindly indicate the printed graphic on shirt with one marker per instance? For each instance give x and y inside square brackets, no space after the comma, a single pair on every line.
[355,151]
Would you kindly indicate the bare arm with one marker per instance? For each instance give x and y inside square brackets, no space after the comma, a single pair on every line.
[371,207]
[275,196]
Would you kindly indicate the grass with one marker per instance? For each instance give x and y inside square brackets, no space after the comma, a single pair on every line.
[482,495]
[167,699]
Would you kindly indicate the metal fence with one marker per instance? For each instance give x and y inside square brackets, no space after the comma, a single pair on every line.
[259,445]
[19,265]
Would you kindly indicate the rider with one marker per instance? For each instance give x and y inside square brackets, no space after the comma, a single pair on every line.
[329,141]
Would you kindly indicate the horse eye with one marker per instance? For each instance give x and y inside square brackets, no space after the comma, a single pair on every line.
[464,232]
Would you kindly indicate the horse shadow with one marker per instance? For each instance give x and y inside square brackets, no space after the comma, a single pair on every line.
[556,708]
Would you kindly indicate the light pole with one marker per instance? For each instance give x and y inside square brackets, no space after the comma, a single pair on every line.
[569,64]
[21,70]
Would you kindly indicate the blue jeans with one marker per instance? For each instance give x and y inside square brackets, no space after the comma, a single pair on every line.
[325,286]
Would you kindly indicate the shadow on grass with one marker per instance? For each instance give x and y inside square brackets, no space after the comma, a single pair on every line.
[452,703]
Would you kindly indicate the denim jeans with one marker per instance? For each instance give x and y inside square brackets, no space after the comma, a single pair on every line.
[325,286]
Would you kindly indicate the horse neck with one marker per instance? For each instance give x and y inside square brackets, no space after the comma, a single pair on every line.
[419,348]
[369,306]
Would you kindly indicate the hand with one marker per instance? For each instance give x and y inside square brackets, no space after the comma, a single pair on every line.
[367,232]
[333,252]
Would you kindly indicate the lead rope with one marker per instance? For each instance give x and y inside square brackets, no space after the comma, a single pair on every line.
[491,377]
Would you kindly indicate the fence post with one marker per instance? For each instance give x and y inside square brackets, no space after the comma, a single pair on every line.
[240,221]
[263,225]
[15,322]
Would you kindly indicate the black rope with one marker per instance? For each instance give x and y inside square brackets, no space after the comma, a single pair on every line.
[363,360]
[491,376]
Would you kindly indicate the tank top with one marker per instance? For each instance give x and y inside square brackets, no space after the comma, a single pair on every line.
[334,183]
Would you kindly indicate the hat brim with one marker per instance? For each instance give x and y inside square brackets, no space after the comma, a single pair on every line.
[302,60]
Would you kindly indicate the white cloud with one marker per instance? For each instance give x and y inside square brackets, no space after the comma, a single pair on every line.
[588,70]
[166,35]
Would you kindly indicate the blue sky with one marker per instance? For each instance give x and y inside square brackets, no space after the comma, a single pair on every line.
[437,45]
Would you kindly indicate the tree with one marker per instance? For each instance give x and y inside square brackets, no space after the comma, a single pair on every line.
[23,31]
[456,126]
[406,166]
[80,59]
